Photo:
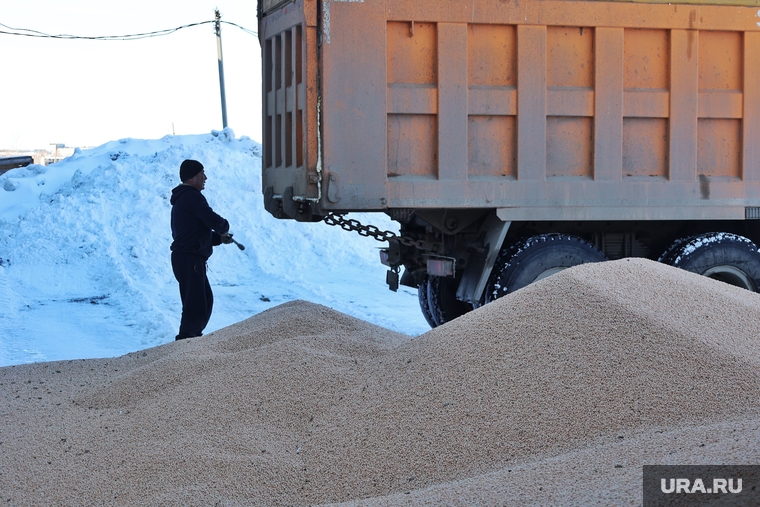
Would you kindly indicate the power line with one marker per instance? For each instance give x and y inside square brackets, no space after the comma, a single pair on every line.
[26,32]
[246,30]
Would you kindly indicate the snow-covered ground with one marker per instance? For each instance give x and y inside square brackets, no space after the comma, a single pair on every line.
[84,252]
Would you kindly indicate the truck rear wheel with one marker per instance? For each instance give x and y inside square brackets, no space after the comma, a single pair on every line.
[535,258]
[422,295]
[438,300]
[722,256]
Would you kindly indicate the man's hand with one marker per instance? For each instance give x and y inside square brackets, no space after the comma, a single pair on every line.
[226,238]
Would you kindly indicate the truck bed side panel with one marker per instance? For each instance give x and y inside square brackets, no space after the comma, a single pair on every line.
[546,109]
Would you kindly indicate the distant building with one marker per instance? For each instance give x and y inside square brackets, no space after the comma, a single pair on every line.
[56,153]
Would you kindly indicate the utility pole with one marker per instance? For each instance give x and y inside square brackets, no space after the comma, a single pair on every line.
[218,28]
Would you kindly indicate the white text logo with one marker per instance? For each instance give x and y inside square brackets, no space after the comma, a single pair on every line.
[686,486]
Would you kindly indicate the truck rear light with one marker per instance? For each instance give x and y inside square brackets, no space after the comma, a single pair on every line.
[440,267]
[384,258]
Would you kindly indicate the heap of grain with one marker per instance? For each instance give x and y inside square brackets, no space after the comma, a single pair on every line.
[301,405]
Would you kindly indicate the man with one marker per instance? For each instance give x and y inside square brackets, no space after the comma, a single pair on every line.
[195,230]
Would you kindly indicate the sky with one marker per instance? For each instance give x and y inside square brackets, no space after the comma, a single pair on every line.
[85,265]
[84,93]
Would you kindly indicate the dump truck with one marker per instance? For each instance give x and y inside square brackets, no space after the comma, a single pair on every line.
[512,139]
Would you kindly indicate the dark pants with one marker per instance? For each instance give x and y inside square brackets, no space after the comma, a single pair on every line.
[195,292]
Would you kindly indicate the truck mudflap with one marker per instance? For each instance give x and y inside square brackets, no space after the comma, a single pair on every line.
[481,263]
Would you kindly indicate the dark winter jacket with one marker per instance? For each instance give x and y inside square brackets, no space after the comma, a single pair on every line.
[195,226]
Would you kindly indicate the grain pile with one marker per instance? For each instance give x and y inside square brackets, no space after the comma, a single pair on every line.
[560,391]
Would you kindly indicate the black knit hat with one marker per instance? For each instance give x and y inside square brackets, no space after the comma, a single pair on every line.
[188,169]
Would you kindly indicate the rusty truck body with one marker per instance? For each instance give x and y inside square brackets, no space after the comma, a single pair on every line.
[515,138]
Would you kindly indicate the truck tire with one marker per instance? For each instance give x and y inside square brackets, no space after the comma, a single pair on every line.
[422,295]
[674,250]
[442,300]
[535,258]
[722,256]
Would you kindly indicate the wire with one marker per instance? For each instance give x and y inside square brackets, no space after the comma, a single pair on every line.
[246,30]
[25,32]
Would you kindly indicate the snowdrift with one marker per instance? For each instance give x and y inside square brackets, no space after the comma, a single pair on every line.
[84,254]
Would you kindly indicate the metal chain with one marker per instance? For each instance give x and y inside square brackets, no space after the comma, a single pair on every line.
[349,224]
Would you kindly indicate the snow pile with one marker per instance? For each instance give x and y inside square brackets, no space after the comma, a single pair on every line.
[84,255]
